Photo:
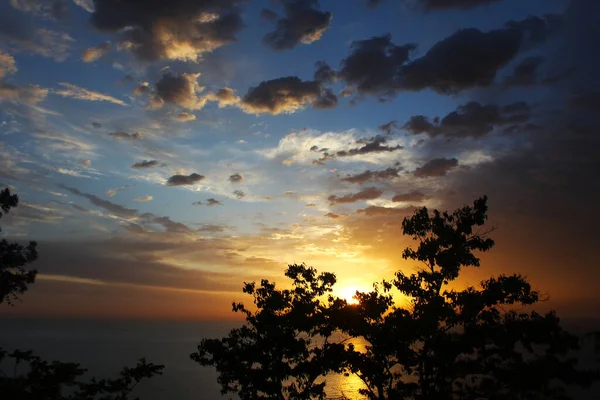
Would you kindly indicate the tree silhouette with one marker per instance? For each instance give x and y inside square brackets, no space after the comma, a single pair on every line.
[14,279]
[276,354]
[447,344]
[39,379]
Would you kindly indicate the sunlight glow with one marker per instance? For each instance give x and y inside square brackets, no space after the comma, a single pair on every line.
[348,293]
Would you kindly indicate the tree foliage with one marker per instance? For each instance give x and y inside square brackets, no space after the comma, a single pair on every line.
[284,348]
[446,344]
[43,380]
[14,278]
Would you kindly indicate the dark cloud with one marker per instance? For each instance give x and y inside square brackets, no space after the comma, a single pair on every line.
[180,89]
[286,95]
[177,29]
[182,180]
[366,194]
[60,10]
[470,120]
[434,5]
[141,89]
[525,73]
[369,175]
[324,73]
[374,64]
[211,228]
[213,202]
[120,135]
[105,204]
[467,59]
[415,195]
[378,211]
[332,215]
[145,164]
[436,167]
[236,178]
[303,23]
[209,202]
[373,3]
[97,125]
[377,144]
[269,15]
[239,194]
[388,128]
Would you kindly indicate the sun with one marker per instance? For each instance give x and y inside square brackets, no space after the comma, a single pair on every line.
[348,293]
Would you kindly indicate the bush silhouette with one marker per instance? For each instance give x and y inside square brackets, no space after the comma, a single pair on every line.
[446,344]
[36,379]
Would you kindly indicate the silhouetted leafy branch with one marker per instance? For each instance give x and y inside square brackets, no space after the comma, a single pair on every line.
[43,380]
[447,344]
[14,278]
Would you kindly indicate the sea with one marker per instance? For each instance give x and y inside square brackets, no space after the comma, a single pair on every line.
[105,346]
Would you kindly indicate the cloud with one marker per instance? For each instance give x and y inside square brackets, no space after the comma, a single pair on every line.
[236,178]
[184,117]
[116,209]
[112,192]
[389,128]
[143,199]
[184,90]
[141,88]
[436,167]
[366,194]
[467,59]
[31,94]
[369,175]
[375,144]
[239,194]
[268,15]
[85,163]
[97,125]
[182,180]
[80,93]
[470,120]
[145,164]
[435,5]
[286,95]
[525,73]
[303,23]
[57,10]
[373,65]
[175,30]
[7,64]
[87,5]
[378,211]
[95,53]
[414,195]
[120,135]
[303,147]
[209,202]
[324,73]
[224,97]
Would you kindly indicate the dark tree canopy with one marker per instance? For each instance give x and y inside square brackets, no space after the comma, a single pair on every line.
[14,278]
[446,344]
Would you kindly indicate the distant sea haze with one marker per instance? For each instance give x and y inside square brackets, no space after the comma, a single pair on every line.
[105,346]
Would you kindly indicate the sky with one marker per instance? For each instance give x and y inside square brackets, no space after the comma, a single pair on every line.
[165,152]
